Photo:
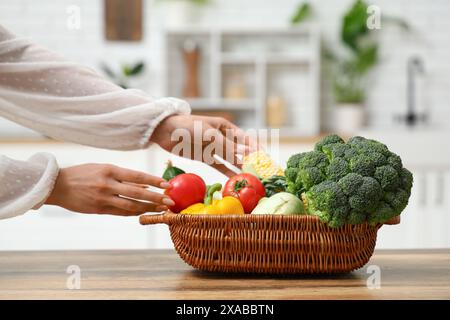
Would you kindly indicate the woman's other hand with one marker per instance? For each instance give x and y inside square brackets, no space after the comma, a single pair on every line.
[107,189]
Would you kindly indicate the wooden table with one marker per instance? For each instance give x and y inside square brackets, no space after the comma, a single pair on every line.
[160,274]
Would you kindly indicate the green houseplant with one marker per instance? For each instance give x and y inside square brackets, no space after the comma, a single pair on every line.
[351,67]
[350,71]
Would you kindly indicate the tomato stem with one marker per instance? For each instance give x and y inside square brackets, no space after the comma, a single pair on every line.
[240,184]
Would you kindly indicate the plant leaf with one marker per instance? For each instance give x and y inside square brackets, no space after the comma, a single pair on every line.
[137,68]
[367,58]
[354,25]
[126,70]
[302,13]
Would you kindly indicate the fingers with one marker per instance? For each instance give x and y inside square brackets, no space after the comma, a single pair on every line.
[136,207]
[246,142]
[139,193]
[136,177]
[136,184]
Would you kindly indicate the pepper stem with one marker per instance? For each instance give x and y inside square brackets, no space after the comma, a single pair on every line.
[210,192]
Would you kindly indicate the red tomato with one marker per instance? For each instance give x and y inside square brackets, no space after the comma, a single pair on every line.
[186,189]
[247,188]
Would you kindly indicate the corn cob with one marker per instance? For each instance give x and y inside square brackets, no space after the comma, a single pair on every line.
[261,165]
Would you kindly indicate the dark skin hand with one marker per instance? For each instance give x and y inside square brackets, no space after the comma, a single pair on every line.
[108,189]
[242,144]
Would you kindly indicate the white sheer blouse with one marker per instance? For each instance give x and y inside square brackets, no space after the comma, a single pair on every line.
[66,101]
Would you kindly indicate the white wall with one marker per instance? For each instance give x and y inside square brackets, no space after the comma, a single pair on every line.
[45,21]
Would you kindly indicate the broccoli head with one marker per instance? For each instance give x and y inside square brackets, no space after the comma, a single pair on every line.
[350,182]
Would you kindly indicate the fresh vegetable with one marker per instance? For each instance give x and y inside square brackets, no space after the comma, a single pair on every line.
[280,203]
[171,171]
[261,165]
[350,182]
[274,184]
[186,189]
[227,205]
[247,188]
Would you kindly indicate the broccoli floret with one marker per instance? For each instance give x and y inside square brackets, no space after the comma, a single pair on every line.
[395,162]
[356,217]
[352,182]
[291,173]
[397,200]
[378,159]
[291,188]
[330,139]
[368,146]
[337,169]
[388,177]
[328,202]
[407,179]
[309,177]
[294,160]
[363,165]
[366,198]
[314,159]
[383,213]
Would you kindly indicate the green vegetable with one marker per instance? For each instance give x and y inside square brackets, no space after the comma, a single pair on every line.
[280,203]
[352,182]
[274,184]
[171,171]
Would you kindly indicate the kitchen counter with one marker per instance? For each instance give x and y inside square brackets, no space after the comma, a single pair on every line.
[161,274]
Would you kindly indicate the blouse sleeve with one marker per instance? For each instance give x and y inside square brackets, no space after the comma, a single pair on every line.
[25,184]
[70,102]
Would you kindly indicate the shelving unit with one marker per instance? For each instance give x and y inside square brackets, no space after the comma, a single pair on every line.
[283,62]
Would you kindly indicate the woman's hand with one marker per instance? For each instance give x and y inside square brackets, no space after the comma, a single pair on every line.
[107,189]
[198,131]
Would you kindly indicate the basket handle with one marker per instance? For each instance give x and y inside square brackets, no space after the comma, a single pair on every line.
[393,221]
[154,219]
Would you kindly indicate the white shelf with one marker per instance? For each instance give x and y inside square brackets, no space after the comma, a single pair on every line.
[284,62]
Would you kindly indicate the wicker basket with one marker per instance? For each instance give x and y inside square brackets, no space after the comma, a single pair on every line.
[267,243]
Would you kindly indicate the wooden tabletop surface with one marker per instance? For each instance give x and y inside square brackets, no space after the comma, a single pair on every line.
[161,274]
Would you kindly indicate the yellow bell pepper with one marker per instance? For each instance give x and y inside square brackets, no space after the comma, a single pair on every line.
[227,205]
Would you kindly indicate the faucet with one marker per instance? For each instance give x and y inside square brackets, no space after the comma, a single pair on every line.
[415,66]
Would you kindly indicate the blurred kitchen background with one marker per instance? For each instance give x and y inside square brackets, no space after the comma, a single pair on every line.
[307,68]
